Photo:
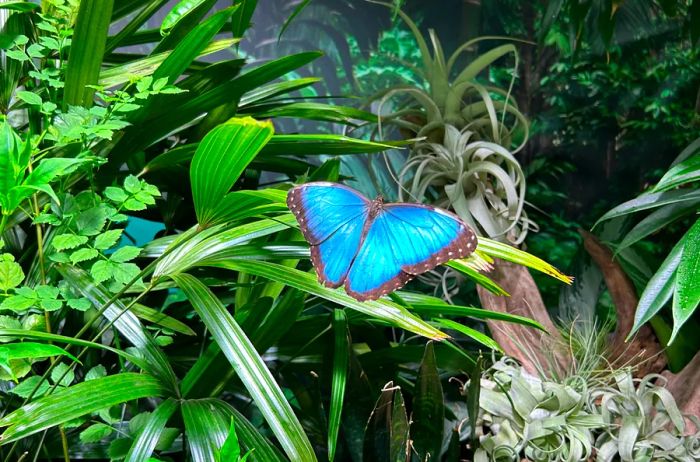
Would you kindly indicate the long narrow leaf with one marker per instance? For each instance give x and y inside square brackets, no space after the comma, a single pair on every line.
[146,441]
[124,321]
[383,310]
[76,401]
[686,297]
[250,368]
[340,375]
[86,51]
[659,289]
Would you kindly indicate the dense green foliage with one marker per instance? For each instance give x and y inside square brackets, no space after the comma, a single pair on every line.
[156,298]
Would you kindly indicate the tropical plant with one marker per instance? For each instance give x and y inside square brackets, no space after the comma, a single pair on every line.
[674,198]
[612,418]
[121,345]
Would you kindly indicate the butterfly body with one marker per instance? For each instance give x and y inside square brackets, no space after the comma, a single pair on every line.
[373,247]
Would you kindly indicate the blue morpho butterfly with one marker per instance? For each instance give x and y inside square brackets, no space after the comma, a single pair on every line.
[372,247]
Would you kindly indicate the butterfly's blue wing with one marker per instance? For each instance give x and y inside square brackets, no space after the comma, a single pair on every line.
[403,241]
[332,218]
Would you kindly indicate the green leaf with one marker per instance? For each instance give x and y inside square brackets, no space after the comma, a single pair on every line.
[70,403]
[126,253]
[240,21]
[205,428]
[116,194]
[399,441]
[95,433]
[62,375]
[95,373]
[132,184]
[31,350]
[134,204]
[26,387]
[231,450]
[659,289]
[220,159]
[192,45]
[86,52]
[339,378]
[469,332]
[18,303]
[68,241]
[650,200]
[29,97]
[686,297]
[383,310]
[83,254]
[176,13]
[507,252]
[107,239]
[298,9]
[428,408]
[147,438]
[681,173]
[657,220]
[102,270]
[250,368]
[8,333]
[16,5]
[11,274]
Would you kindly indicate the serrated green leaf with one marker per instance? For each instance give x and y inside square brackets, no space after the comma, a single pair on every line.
[124,254]
[18,303]
[95,433]
[50,305]
[108,239]
[124,272]
[62,375]
[91,221]
[11,274]
[132,184]
[116,194]
[83,254]
[79,304]
[102,270]
[68,241]
[25,388]
[95,373]
[134,204]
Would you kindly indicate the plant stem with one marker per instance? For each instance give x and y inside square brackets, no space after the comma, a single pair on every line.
[64,443]
[3,223]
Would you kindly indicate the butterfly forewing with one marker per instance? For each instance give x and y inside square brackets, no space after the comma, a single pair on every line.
[332,218]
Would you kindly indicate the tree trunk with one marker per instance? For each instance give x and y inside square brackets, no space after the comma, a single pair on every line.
[535,349]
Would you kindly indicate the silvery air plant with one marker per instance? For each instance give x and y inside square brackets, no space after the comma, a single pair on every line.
[606,419]
[468,131]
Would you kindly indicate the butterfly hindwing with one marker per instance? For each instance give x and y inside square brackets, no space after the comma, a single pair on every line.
[402,241]
[332,218]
